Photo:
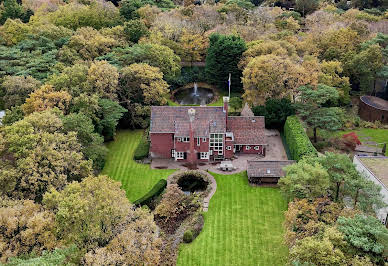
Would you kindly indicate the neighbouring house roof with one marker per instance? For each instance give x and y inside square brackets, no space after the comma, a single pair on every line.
[246,111]
[378,166]
[267,168]
[247,130]
[175,119]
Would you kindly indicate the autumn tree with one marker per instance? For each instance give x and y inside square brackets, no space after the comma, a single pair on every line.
[25,227]
[103,79]
[194,46]
[45,98]
[36,156]
[223,56]
[306,6]
[312,108]
[142,83]
[137,244]
[74,220]
[272,76]
[17,88]
[304,180]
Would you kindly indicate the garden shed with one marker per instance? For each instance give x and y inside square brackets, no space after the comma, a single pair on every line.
[266,172]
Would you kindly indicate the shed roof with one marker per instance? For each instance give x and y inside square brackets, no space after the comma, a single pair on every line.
[267,168]
[378,165]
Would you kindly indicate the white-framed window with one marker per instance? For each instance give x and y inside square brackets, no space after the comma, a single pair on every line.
[247,147]
[179,139]
[172,153]
[203,139]
[180,155]
[204,155]
[229,148]
[217,142]
[257,148]
[198,141]
[185,139]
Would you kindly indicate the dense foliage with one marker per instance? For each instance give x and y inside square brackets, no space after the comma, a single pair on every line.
[297,139]
[155,191]
[275,112]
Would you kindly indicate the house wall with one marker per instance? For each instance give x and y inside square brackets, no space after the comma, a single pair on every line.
[203,146]
[381,213]
[229,154]
[161,145]
[252,149]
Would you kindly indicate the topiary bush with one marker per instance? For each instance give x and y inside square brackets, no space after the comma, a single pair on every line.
[142,149]
[298,142]
[155,191]
[188,236]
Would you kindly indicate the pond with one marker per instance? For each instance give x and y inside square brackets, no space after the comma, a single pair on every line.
[194,96]
[191,183]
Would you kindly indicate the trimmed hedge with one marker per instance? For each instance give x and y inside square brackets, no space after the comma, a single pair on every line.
[142,149]
[297,139]
[155,191]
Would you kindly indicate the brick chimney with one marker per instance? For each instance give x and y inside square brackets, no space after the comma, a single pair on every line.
[191,157]
[225,109]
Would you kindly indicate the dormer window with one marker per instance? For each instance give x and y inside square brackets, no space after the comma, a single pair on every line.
[268,171]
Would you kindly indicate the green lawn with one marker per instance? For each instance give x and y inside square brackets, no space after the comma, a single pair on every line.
[242,227]
[136,179]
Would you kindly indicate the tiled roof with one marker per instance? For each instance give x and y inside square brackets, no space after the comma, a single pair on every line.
[267,168]
[247,130]
[246,111]
[175,119]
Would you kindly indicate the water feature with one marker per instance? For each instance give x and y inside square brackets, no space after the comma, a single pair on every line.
[194,96]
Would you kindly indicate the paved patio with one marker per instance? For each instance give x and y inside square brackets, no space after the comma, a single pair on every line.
[274,152]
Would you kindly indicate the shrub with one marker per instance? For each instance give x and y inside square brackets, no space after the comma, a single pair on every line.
[152,194]
[297,139]
[142,149]
[188,236]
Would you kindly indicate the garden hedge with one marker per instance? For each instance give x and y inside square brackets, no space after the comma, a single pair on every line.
[297,139]
[142,149]
[156,190]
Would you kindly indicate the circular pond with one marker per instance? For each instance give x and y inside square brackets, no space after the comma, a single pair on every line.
[194,96]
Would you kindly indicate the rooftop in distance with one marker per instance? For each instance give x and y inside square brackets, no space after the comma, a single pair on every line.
[378,166]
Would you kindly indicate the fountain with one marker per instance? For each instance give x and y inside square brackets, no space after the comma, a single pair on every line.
[194,95]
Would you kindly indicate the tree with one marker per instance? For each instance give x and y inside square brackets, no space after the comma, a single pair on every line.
[155,55]
[13,10]
[12,115]
[137,244]
[235,103]
[108,115]
[142,83]
[272,76]
[103,79]
[135,29]
[92,143]
[17,88]
[331,75]
[194,46]
[312,109]
[316,251]
[25,227]
[223,55]
[86,44]
[366,234]
[304,180]
[14,31]
[306,6]
[36,156]
[74,220]
[45,98]
[340,169]
[59,256]
[275,111]
[128,8]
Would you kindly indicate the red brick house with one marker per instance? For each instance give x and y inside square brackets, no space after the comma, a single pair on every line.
[204,133]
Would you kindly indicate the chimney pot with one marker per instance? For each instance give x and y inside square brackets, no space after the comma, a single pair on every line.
[191,113]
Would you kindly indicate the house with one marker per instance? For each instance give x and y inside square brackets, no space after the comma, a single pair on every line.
[204,133]
[266,172]
[375,168]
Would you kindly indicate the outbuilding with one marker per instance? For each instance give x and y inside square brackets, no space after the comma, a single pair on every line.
[266,172]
